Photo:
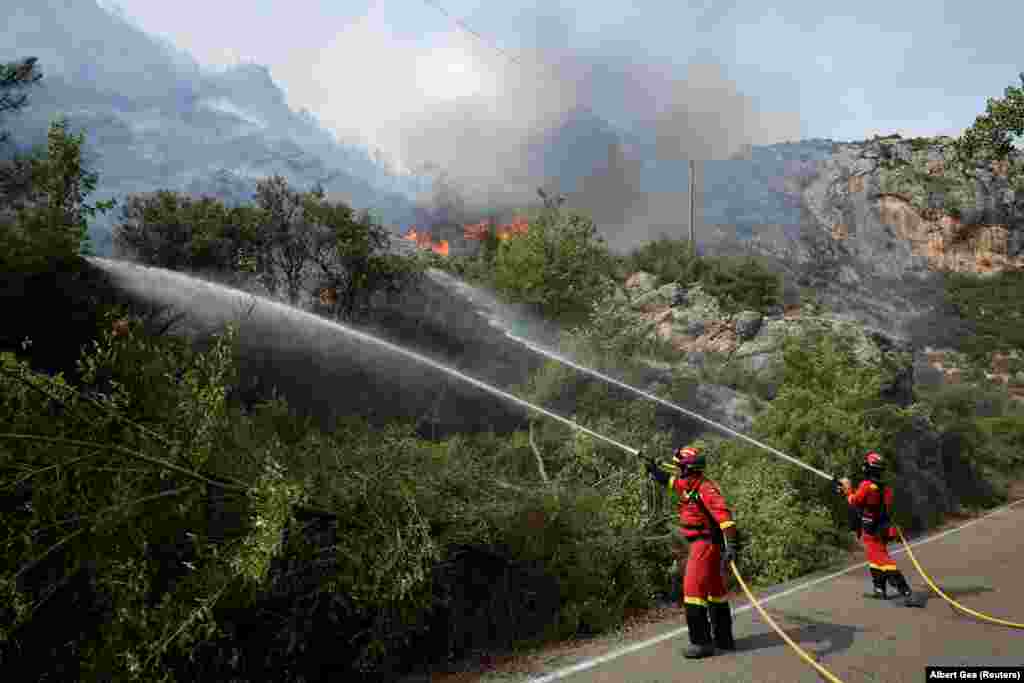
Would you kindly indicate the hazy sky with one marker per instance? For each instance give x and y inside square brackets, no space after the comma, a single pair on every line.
[833,69]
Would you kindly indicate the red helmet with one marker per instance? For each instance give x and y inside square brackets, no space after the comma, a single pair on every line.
[874,465]
[690,460]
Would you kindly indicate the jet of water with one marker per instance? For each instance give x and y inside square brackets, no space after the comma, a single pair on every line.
[246,297]
[668,404]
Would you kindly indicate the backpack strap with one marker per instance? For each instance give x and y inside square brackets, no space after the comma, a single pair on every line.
[717,535]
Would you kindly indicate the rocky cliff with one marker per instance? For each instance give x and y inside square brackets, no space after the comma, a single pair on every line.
[906,206]
[882,218]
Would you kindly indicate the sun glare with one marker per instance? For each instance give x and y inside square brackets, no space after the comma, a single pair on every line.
[447,74]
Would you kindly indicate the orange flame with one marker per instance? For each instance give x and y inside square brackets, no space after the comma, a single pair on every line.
[476,231]
[479,231]
[518,226]
[425,241]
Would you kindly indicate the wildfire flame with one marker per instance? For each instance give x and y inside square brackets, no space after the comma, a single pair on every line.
[424,240]
[518,226]
[476,231]
[479,231]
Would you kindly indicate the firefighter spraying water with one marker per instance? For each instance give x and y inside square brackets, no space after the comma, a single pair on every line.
[711,535]
[870,503]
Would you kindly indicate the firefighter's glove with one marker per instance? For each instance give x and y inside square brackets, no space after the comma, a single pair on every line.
[847,486]
[652,468]
[837,486]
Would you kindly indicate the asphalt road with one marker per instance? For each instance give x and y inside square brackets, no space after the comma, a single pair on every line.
[858,639]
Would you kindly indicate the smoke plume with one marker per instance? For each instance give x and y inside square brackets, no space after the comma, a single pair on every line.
[493,120]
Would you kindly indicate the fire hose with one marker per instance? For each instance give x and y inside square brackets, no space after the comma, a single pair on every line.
[951,601]
[771,622]
[831,478]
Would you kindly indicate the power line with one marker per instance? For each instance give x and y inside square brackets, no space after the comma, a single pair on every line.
[540,66]
[461,24]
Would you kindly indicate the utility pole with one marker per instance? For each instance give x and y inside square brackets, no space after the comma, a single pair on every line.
[693,206]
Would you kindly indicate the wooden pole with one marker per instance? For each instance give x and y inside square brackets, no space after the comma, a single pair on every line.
[693,206]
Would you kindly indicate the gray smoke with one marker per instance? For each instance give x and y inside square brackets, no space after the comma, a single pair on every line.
[598,128]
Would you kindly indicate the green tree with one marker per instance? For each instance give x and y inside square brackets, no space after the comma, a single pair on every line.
[561,265]
[350,252]
[14,78]
[285,240]
[47,224]
[993,133]
[172,230]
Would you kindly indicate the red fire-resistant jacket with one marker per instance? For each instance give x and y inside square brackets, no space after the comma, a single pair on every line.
[692,519]
[867,497]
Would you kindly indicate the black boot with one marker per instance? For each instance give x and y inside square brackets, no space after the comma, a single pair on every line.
[700,632]
[721,625]
[898,581]
[878,581]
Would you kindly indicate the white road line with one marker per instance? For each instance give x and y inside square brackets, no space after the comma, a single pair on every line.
[597,661]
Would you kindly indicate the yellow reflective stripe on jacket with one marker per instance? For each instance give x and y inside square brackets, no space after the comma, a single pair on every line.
[695,601]
[719,601]
[671,483]
[726,525]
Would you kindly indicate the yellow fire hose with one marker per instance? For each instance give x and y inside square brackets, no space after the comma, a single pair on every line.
[799,650]
[945,597]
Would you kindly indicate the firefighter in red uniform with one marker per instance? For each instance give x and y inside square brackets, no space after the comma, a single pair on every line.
[711,535]
[873,499]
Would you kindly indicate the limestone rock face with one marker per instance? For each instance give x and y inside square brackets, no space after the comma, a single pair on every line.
[884,217]
[903,205]
[947,242]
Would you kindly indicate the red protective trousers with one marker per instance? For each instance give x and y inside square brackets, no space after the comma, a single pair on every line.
[877,553]
[703,582]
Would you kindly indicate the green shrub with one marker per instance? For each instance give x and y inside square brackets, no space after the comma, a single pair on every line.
[722,370]
[993,306]
[787,534]
[560,266]
[741,283]
[738,282]
[669,260]
[112,480]
[1007,435]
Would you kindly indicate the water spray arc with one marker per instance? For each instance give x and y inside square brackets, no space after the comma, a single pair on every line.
[371,339]
[800,651]
[668,404]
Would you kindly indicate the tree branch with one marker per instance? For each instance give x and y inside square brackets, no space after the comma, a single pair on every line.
[131,453]
[138,501]
[34,473]
[53,548]
[540,459]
